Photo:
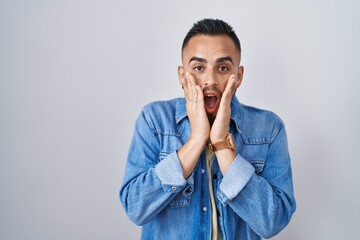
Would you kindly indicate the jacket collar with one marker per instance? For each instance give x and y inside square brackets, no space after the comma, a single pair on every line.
[236,109]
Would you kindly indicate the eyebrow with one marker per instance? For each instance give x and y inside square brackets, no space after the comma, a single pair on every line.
[198,59]
[219,60]
[224,59]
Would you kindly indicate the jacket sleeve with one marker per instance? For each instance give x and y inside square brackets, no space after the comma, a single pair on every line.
[149,184]
[266,202]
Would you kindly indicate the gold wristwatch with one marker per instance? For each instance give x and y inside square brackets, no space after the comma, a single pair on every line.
[227,143]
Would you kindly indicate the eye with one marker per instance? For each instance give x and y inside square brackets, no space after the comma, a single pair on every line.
[198,68]
[223,68]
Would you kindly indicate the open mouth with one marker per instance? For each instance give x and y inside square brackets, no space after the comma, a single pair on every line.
[211,100]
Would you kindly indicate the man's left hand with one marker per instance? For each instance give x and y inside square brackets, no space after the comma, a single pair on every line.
[220,126]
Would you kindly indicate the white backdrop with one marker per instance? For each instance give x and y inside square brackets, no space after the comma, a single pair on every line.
[75,74]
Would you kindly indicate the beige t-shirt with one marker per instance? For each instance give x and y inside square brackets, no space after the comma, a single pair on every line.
[215,233]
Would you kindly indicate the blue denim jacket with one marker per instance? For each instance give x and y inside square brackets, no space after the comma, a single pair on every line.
[254,198]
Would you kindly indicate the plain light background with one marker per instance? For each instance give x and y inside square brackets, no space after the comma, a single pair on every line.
[74,75]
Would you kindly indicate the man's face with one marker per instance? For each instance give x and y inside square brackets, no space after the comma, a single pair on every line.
[211,60]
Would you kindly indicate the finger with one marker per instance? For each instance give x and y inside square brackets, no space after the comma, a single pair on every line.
[230,86]
[185,87]
[192,87]
[199,94]
[228,91]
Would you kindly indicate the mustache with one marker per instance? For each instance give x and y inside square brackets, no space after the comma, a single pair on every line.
[212,89]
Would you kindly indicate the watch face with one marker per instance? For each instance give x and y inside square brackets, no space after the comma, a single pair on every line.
[210,146]
[227,143]
[231,142]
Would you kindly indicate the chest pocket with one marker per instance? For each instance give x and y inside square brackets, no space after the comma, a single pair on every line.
[255,154]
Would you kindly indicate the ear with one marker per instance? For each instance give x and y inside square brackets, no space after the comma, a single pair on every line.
[240,76]
[181,73]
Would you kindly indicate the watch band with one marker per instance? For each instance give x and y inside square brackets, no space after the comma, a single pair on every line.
[227,143]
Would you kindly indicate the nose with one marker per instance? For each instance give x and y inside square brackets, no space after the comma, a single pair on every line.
[210,79]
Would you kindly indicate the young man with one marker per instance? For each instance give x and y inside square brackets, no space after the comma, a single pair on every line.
[206,166]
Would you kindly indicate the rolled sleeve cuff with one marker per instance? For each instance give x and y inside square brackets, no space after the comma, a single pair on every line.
[170,173]
[236,177]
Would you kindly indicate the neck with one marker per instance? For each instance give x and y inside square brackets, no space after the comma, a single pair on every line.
[211,119]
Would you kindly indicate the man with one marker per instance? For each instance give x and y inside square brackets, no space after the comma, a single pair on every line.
[206,166]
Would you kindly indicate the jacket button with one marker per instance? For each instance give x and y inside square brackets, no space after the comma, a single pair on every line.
[204,209]
[173,188]
[202,170]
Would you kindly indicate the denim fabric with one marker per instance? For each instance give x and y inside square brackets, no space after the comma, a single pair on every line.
[254,198]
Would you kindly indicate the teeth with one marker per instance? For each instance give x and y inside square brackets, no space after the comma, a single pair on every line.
[210,95]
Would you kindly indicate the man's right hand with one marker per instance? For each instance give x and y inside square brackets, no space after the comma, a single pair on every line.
[200,127]
[189,154]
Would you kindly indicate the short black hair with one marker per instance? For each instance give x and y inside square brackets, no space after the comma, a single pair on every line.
[209,26]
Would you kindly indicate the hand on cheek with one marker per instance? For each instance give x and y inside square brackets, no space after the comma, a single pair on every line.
[220,127]
[200,127]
